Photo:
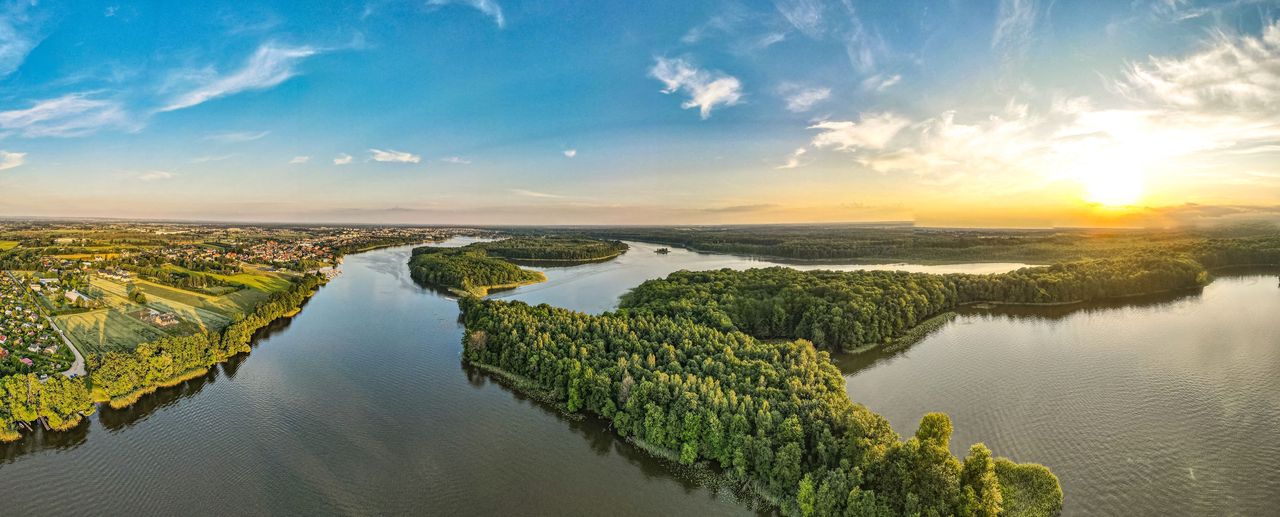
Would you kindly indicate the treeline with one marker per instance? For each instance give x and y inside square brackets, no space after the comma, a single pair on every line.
[183,279]
[121,377]
[553,249]
[904,242]
[839,310]
[467,270]
[774,417]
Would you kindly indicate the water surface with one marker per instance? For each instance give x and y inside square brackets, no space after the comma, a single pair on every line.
[359,405]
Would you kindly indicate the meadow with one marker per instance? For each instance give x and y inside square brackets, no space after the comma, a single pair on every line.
[117,325]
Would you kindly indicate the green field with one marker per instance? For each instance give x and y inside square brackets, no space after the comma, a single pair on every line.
[116,326]
[103,330]
[250,277]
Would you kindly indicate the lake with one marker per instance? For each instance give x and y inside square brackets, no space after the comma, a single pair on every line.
[360,405]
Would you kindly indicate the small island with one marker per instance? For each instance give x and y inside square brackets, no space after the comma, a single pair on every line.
[479,268]
[662,251]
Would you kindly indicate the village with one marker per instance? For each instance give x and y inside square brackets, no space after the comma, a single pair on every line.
[76,290]
[28,342]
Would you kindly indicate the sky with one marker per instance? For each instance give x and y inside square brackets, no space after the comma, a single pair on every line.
[1020,113]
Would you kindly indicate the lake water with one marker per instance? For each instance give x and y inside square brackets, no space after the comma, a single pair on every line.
[359,405]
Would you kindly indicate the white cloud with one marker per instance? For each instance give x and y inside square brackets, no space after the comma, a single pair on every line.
[488,7]
[156,175]
[531,193]
[768,40]
[807,16]
[705,89]
[70,115]
[9,160]
[800,99]
[880,82]
[1015,27]
[456,160]
[872,131]
[342,159]
[380,155]
[269,66]
[793,159]
[237,136]
[212,158]
[299,160]
[570,153]
[18,36]
[1238,73]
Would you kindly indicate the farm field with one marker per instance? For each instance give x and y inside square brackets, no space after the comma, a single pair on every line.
[103,330]
[8,245]
[117,326]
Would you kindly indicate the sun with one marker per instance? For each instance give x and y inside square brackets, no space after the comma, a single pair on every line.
[1113,188]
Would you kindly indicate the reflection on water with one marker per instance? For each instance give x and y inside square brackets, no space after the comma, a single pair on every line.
[851,364]
[1167,406]
[360,405]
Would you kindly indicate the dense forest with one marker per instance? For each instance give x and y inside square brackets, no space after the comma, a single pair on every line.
[844,242]
[774,417]
[467,270]
[480,266]
[838,310]
[553,249]
[121,377]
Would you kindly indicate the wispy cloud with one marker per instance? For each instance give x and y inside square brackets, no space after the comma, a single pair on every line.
[705,89]
[740,208]
[807,16]
[801,98]
[233,137]
[343,159]
[488,7]
[570,153]
[872,131]
[1015,28]
[296,160]
[75,114]
[880,82]
[793,159]
[269,66]
[532,193]
[456,160]
[379,155]
[19,34]
[207,159]
[1228,72]
[156,175]
[9,160]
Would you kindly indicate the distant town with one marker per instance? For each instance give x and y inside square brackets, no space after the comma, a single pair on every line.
[71,290]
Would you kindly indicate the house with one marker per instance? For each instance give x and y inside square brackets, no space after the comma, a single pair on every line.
[4,352]
[50,350]
[160,319]
[75,296]
[27,362]
[3,338]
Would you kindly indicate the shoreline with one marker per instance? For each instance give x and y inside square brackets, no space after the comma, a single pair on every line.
[133,397]
[845,261]
[706,473]
[922,329]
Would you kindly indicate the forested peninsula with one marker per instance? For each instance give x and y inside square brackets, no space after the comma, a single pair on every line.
[478,268]
[730,368]
[849,310]
[772,416]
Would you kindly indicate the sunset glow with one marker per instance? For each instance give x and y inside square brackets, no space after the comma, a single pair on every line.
[1026,114]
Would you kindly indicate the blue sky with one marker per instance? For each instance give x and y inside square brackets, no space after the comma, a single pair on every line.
[1014,112]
